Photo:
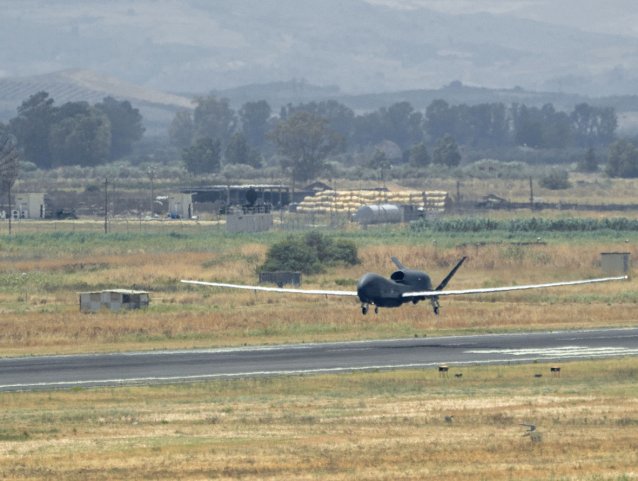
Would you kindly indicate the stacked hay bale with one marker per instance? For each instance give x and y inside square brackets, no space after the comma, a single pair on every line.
[436,201]
[349,201]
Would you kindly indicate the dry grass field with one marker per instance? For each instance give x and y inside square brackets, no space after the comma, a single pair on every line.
[39,291]
[365,426]
[368,426]
[593,189]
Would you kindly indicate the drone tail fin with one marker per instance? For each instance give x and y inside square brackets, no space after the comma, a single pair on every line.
[447,279]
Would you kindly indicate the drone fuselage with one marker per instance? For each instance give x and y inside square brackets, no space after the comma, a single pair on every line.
[383,292]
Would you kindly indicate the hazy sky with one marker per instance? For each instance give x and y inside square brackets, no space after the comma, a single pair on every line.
[197,45]
[611,16]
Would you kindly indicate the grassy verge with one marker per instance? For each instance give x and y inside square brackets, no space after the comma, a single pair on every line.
[376,426]
[42,273]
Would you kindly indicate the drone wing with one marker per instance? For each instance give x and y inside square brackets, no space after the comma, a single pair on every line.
[488,290]
[319,292]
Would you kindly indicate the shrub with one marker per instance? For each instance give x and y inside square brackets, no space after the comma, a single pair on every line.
[556,179]
[495,169]
[309,254]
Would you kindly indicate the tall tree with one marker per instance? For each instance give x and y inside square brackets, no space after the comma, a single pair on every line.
[9,165]
[593,126]
[446,152]
[482,125]
[588,162]
[305,141]
[340,117]
[379,161]
[9,160]
[239,152]
[83,138]
[556,129]
[368,129]
[528,126]
[402,124]
[622,160]
[203,157]
[541,128]
[419,155]
[126,125]
[486,126]
[181,130]
[31,128]
[214,118]
[439,119]
[254,122]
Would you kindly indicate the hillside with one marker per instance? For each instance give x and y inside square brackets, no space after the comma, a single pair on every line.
[282,93]
[358,45]
[157,108]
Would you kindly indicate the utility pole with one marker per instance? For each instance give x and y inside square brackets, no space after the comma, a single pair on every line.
[531,194]
[106,206]
[10,209]
[151,175]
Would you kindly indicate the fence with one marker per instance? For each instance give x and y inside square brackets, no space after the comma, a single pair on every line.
[282,221]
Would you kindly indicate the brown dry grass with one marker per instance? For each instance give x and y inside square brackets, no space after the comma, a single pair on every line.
[372,426]
[42,315]
[586,189]
[365,426]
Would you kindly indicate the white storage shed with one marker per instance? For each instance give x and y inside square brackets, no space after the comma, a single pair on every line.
[113,300]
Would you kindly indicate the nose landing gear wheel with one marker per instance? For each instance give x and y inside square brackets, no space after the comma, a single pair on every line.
[364,309]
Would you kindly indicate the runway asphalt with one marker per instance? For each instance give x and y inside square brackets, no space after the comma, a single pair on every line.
[90,370]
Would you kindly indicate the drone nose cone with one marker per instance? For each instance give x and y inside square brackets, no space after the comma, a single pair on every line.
[366,280]
[367,286]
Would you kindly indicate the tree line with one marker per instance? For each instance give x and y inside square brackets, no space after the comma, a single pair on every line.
[301,138]
[307,133]
[74,133]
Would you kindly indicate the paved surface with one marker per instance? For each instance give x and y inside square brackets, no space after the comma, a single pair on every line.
[53,372]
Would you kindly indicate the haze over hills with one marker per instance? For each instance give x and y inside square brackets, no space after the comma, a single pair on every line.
[158,108]
[359,46]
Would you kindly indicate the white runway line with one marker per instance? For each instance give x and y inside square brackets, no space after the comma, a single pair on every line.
[564,351]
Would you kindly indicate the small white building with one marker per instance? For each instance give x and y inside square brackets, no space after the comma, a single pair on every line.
[113,299]
[180,206]
[30,206]
[616,263]
[248,222]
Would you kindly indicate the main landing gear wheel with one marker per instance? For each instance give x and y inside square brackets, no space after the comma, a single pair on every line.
[435,305]
[365,307]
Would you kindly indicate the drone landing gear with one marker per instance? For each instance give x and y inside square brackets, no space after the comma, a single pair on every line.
[435,306]
[365,307]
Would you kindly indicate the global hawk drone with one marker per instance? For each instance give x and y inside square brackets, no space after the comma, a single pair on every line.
[404,285]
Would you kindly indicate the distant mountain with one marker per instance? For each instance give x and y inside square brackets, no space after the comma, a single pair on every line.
[359,45]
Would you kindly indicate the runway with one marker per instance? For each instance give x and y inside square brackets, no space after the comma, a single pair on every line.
[91,370]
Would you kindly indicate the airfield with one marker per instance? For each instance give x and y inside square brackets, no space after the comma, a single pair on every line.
[207,384]
[448,355]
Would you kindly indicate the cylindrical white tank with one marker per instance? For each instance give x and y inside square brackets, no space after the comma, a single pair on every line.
[378,214]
